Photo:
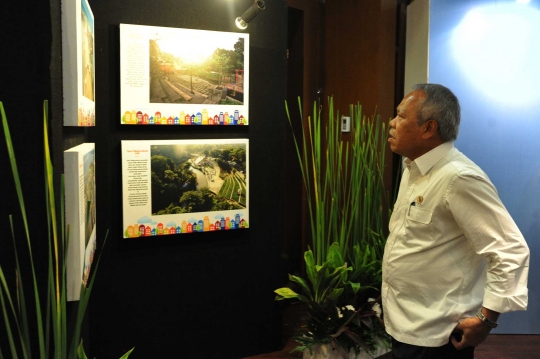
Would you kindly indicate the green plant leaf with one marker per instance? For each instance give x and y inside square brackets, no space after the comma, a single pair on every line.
[335,294]
[357,339]
[80,351]
[125,356]
[303,284]
[286,292]
[355,286]
[334,256]
[310,267]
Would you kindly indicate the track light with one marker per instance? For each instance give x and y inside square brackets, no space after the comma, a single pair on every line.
[249,14]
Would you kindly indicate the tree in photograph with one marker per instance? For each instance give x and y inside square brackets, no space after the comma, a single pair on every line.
[239,53]
[197,201]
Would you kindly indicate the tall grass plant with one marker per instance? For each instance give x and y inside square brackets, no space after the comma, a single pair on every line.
[346,201]
[37,324]
[343,180]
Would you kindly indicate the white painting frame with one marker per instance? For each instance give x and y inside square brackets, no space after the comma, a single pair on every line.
[184,186]
[78,63]
[175,76]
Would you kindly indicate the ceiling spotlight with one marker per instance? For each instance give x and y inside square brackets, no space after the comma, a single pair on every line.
[249,14]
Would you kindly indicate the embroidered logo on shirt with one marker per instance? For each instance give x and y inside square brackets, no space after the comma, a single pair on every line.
[419,199]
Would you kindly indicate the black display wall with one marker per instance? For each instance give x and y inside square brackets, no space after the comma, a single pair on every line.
[203,295]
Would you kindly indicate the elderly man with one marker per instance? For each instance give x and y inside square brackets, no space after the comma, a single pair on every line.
[454,258]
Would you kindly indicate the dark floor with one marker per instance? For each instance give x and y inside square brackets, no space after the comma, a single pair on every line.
[496,346]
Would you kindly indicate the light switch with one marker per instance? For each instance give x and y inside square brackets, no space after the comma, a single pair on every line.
[345,124]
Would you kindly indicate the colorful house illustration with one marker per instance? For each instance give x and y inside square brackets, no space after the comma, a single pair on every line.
[204,117]
[127,116]
[184,227]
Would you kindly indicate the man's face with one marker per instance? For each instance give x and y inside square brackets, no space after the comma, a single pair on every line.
[405,135]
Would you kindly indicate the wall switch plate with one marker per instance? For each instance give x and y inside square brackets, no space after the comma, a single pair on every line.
[345,124]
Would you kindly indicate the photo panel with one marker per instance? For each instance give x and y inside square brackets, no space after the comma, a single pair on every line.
[184,186]
[172,76]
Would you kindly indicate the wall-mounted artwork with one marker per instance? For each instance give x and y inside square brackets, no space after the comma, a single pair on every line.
[184,186]
[172,76]
[80,207]
[78,63]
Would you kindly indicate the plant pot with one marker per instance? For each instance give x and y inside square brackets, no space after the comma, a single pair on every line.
[326,351]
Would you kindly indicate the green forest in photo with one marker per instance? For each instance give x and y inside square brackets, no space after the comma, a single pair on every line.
[198,178]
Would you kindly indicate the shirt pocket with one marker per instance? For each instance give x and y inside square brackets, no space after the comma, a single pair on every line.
[419,215]
[418,234]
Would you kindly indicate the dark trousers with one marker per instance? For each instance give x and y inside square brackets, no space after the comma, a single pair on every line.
[407,351]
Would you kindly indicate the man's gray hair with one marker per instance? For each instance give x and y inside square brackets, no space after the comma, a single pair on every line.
[442,106]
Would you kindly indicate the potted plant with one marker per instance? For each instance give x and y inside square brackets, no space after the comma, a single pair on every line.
[345,201]
[39,322]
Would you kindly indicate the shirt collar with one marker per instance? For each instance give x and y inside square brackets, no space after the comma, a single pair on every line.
[428,159]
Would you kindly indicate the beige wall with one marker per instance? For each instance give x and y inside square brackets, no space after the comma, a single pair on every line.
[417,39]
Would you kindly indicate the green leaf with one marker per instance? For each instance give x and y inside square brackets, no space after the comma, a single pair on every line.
[310,267]
[335,294]
[357,339]
[80,351]
[334,257]
[303,284]
[355,286]
[286,292]
[127,354]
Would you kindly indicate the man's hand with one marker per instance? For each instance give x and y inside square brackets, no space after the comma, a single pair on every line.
[473,332]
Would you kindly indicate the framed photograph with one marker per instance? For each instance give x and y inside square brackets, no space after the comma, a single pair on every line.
[78,63]
[171,76]
[184,186]
[80,207]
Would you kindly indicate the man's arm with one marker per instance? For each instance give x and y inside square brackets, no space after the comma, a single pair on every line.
[494,235]
[474,331]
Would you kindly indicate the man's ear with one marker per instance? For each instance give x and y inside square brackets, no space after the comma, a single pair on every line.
[430,129]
